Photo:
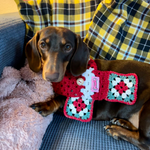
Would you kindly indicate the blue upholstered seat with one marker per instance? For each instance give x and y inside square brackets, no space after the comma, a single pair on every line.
[68,134]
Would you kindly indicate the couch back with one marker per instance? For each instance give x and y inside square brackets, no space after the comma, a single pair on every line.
[12,35]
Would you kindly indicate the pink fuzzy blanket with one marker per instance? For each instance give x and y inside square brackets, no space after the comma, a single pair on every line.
[21,128]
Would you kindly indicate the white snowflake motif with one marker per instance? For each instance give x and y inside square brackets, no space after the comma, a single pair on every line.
[87,93]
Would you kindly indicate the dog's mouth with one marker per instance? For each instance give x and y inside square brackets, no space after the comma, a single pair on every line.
[52,77]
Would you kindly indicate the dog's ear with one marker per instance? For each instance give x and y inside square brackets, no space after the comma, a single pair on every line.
[79,61]
[32,54]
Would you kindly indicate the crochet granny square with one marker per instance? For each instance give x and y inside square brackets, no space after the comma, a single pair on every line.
[122,88]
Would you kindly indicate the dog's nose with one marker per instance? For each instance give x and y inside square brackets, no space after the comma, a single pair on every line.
[51,76]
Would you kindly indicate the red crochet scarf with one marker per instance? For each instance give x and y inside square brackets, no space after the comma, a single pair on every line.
[82,91]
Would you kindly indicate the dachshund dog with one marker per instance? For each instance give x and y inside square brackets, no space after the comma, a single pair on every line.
[55,50]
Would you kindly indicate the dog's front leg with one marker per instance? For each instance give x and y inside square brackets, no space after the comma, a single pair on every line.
[49,107]
[123,129]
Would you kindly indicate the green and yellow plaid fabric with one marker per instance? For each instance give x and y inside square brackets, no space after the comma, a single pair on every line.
[112,29]
[121,31]
[75,15]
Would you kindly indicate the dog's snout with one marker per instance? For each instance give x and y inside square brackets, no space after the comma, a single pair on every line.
[52,76]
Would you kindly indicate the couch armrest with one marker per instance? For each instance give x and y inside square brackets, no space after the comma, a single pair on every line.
[12,35]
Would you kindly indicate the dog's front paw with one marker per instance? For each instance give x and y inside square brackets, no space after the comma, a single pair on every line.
[123,123]
[42,108]
[111,131]
[118,122]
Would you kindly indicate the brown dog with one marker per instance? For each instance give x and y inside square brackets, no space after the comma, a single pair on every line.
[56,49]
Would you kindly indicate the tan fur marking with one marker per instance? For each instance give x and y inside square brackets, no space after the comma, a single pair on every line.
[135,118]
[47,41]
[63,41]
[56,106]
[55,60]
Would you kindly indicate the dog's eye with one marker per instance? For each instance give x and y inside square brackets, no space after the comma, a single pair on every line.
[68,47]
[42,44]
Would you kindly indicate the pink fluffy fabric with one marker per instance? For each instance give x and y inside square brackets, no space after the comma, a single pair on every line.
[22,128]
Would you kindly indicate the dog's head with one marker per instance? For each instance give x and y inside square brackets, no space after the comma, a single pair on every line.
[53,49]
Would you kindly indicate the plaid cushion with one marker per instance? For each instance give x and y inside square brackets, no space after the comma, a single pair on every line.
[72,14]
[112,29]
[120,30]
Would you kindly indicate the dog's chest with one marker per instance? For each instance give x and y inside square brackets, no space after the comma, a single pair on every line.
[82,91]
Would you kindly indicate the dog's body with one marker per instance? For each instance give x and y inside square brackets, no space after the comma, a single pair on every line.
[57,49]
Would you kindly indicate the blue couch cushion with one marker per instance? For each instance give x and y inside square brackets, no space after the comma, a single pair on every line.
[68,134]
